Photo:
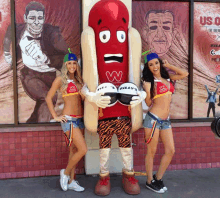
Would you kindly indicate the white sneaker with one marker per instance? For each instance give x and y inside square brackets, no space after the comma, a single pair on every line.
[64,180]
[74,185]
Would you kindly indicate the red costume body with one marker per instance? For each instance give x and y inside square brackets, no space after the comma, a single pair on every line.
[113,17]
[109,20]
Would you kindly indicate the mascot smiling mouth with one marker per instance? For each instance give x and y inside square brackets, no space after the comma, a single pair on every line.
[109,58]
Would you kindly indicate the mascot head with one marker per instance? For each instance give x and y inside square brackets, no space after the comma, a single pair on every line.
[109,20]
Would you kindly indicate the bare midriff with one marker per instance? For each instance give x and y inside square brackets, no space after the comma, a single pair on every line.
[161,106]
[73,105]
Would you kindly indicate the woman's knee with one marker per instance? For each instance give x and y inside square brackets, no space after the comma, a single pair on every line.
[170,151]
[83,150]
[73,149]
[151,151]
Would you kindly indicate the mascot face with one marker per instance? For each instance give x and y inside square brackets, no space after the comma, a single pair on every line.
[109,20]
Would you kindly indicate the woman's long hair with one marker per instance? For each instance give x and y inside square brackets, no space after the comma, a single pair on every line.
[148,76]
[65,76]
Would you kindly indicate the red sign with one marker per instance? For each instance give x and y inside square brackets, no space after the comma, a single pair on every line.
[209,20]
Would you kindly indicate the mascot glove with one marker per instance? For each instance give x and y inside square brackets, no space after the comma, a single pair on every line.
[138,99]
[97,98]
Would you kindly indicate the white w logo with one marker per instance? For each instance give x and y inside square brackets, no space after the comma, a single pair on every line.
[114,76]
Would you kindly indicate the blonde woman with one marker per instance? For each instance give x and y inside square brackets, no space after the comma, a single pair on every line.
[70,84]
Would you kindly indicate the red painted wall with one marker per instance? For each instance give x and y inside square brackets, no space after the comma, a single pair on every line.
[196,147]
[31,154]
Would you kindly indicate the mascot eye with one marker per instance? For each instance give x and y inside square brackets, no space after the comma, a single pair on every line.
[121,36]
[104,36]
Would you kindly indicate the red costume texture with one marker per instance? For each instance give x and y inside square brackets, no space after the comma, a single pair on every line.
[111,25]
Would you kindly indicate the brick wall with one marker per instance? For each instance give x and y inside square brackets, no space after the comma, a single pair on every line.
[31,154]
[196,147]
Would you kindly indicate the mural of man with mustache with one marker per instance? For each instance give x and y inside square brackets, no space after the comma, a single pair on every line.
[160,30]
[164,30]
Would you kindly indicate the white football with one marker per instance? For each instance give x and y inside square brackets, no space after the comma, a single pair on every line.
[109,90]
[125,93]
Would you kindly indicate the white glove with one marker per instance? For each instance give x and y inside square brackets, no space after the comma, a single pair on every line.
[34,50]
[138,99]
[97,98]
[8,57]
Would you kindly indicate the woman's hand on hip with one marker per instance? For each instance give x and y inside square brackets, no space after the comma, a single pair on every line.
[61,118]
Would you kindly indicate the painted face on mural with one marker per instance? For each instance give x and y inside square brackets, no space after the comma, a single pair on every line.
[109,20]
[160,32]
[34,20]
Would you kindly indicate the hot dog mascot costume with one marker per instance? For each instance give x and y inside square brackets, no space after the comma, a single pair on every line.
[111,54]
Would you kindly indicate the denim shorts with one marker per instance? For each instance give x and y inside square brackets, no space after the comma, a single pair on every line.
[77,123]
[161,124]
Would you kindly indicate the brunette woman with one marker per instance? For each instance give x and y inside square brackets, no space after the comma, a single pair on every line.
[158,84]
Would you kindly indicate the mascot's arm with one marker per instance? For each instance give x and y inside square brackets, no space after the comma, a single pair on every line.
[97,98]
[134,42]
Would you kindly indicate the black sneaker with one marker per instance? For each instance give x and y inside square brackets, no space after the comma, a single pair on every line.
[160,182]
[154,186]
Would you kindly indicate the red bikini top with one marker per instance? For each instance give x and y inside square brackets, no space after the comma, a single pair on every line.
[71,89]
[162,89]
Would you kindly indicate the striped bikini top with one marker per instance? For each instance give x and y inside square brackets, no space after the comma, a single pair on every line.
[71,88]
[162,89]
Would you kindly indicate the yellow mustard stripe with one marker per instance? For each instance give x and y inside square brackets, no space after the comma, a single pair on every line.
[69,94]
[153,128]
[71,135]
[129,108]
[159,95]
[100,112]
[152,132]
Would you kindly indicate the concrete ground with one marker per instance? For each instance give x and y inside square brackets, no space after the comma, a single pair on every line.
[201,183]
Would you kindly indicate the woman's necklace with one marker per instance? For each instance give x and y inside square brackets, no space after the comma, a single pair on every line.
[160,78]
[71,80]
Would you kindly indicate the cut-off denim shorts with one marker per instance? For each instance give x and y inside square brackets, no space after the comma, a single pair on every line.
[77,123]
[161,124]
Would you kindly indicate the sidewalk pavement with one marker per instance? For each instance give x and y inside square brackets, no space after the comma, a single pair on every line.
[193,183]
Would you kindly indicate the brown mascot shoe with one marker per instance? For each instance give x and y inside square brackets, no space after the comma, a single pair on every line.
[129,183]
[103,186]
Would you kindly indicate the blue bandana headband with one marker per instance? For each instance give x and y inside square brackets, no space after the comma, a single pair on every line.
[150,57]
